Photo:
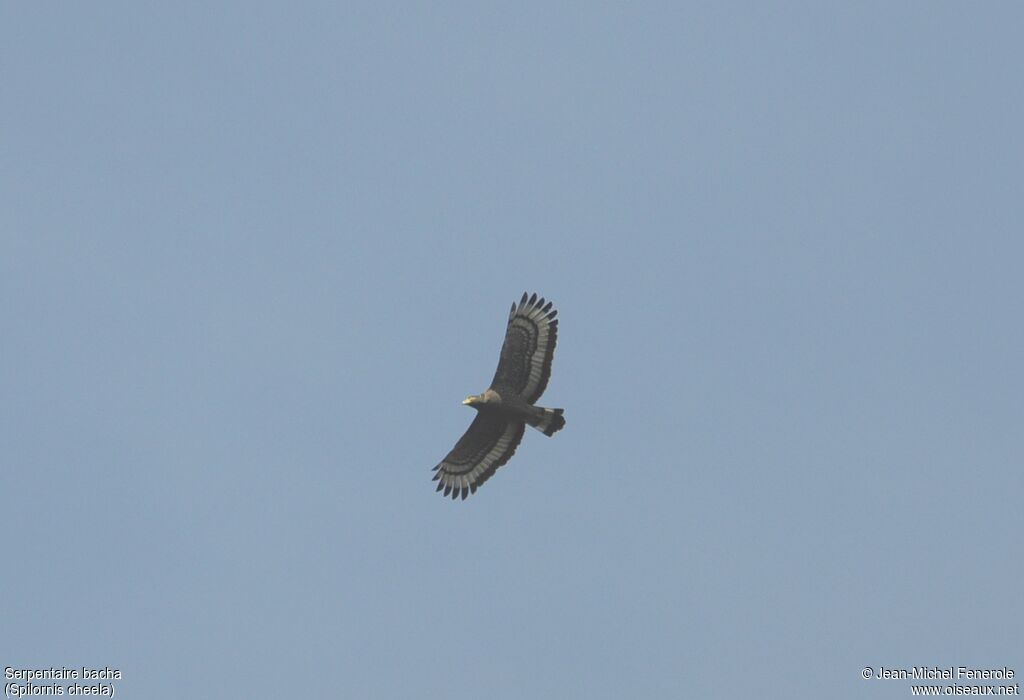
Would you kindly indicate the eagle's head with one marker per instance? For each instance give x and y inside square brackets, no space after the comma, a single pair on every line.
[478,400]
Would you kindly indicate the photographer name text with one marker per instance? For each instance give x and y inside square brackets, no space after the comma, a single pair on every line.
[947,672]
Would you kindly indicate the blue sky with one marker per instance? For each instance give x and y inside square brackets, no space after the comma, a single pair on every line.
[253,256]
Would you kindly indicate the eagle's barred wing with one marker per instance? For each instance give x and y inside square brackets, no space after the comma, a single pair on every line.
[530,338]
[489,443]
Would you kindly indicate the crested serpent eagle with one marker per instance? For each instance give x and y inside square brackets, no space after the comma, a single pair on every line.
[506,408]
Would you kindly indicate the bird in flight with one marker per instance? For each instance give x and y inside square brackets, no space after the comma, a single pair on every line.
[507,407]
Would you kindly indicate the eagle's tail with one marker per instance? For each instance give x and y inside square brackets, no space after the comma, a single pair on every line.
[548,420]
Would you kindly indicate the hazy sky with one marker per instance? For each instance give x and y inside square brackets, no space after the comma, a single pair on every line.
[253,256]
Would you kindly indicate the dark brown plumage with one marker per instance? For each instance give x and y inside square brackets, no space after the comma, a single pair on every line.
[506,408]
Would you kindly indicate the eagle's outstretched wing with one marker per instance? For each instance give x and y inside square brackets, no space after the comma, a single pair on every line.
[489,442]
[525,363]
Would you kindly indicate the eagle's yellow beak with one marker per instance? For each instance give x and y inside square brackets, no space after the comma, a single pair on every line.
[468,400]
